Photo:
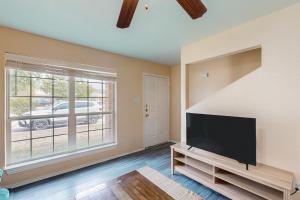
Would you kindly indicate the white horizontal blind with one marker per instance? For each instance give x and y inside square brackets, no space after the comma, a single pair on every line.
[58,68]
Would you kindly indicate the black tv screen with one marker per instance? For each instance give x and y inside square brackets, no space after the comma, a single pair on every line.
[233,137]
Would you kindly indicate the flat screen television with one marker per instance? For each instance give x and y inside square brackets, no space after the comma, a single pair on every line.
[233,137]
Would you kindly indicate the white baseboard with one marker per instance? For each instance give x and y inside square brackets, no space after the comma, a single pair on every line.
[68,170]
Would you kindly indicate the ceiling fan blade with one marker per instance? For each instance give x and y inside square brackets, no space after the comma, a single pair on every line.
[126,13]
[195,8]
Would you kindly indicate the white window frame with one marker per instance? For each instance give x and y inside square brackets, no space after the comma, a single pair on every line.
[72,152]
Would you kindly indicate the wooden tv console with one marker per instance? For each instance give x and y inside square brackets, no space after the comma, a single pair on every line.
[230,178]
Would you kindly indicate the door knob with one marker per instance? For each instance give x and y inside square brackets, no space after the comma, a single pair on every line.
[147,115]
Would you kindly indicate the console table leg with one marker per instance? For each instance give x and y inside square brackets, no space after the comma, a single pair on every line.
[172,161]
[287,195]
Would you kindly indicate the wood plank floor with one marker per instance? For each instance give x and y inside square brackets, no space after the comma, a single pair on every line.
[66,186]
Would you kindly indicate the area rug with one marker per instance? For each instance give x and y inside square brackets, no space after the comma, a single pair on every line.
[142,184]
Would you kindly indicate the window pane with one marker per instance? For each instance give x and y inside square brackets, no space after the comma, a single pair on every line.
[107,121]
[61,106]
[107,105]
[20,130]
[60,143]
[42,87]
[41,75]
[61,86]
[82,140]
[41,106]
[81,88]
[81,105]
[81,124]
[95,137]
[61,134]
[20,151]
[95,105]
[19,106]
[61,125]
[22,73]
[42,147]
[108,136]
[19,86]
[95,122]
[95,89]
[108,89]
[42,127]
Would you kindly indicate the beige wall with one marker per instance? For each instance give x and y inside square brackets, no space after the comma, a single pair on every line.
[175,104]
[130,87]
[221,71]
[271,93]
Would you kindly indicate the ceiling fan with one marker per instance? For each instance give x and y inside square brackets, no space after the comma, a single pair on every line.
[195,8]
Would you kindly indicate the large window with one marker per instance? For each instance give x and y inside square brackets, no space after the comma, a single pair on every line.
[56,110]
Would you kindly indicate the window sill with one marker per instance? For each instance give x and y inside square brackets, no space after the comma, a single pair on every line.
[16,168]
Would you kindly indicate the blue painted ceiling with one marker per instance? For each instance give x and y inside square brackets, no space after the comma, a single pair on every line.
[155,35]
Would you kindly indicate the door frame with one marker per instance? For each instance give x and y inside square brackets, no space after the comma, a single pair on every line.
[143,102]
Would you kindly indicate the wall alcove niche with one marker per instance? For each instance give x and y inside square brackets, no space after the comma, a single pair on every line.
[206,77]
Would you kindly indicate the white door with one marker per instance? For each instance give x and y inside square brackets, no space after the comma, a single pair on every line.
[156,110]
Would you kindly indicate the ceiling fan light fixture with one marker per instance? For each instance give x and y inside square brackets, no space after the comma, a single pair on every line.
[195,8]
